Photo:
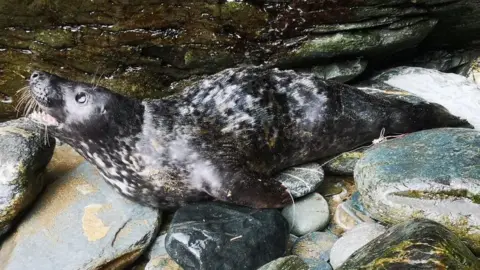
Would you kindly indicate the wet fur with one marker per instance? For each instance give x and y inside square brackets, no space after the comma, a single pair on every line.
[225,137]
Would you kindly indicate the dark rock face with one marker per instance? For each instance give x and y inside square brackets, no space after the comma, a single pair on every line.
[432,174]
[414,244]
[24,154]
[142,47]
[221,236]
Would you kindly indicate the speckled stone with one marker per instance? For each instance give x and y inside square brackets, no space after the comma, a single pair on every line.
[286,263]
[308,214]
[314,247]
[302,180]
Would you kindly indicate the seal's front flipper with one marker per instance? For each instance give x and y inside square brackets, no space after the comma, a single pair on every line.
[258,193]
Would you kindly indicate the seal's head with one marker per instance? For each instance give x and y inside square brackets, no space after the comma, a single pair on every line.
[81,109]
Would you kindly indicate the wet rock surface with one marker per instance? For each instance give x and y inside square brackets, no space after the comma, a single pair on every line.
[308,214]
[80,223]
[221,236]
[145,48]
[286,263]
[24,154]
[353,240]
[343,164]
[432,174]
[302,180]
[414,244]
[314,249]
[158,258]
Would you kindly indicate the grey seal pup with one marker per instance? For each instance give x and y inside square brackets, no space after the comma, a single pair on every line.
[223,138]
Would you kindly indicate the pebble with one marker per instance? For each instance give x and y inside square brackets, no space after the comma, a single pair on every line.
[286,263]
[308,214]
[302,180]
[353,240]
[314,247]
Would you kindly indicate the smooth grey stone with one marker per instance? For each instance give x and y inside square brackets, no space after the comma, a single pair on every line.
[307,214]
[353,240]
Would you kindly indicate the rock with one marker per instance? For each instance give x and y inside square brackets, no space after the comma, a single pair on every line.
[320,265]
[140,48]
[432,174]
[80,223]
[343,164]
[341,71]
[221,236]
[307,214]
[291,241]
[302,180]
[286,263]
[24,154]
[414,244]
[347,216]
[159,258]
[457,94]
[353,240]
[314,248]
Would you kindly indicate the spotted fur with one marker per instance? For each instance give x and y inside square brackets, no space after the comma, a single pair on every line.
[224,137]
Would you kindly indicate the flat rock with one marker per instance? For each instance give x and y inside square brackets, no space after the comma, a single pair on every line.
[286,263]
[24,154]
[215,235]
[414,244]
[302,180]
[308,214]
[459,95]
[80,223]
[314,248]
[432,174]
[353,240]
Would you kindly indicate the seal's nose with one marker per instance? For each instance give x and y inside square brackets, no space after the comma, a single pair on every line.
[36,75]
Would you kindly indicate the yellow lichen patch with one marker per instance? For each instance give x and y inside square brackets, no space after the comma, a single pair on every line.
[14,130]
[93,227]
[395,92]
[86,189]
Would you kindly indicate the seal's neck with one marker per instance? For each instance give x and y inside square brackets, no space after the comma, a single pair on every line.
[121,122]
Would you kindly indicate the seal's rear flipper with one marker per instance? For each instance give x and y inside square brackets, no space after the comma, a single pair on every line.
[262,193]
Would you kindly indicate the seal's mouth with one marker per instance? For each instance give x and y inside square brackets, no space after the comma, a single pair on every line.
[43,118]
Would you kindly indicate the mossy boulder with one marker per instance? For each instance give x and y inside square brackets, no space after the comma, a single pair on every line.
[414,244]
[432,174]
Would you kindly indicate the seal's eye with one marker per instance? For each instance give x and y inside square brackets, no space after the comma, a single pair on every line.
[81,98]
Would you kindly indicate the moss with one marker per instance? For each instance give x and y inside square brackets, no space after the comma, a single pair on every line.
[56,38]
[441,194]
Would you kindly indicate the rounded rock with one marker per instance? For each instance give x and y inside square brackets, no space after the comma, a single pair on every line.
[308,214]
[353,240]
